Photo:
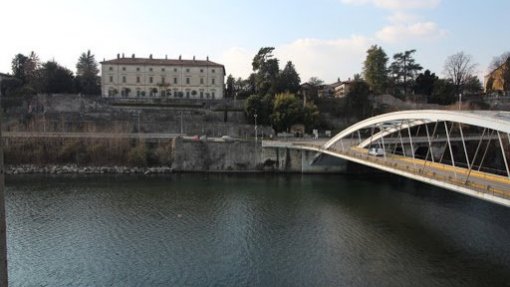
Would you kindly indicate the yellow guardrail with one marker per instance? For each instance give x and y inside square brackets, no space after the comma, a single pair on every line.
[488,189]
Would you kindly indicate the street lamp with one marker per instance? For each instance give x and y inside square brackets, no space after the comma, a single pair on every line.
[460,100]
[255,116]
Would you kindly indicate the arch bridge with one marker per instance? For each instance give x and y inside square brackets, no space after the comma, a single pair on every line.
[463,151]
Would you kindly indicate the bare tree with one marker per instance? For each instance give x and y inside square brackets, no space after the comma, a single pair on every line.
[459,68]
[499,60]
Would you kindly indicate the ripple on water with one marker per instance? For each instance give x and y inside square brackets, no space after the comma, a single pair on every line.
[195,230]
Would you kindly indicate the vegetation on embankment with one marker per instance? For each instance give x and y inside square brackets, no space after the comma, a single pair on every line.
[83,152]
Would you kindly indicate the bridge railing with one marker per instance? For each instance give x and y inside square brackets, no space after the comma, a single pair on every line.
[418,169]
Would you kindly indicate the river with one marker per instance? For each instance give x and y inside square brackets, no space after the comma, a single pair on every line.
[251,230]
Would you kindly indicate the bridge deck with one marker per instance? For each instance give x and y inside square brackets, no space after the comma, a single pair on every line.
[475,183]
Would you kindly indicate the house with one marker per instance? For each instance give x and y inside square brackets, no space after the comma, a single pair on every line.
[337,89]
[343,89]
[131,77]
[499,79]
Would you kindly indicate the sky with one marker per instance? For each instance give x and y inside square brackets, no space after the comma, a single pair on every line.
[327,39]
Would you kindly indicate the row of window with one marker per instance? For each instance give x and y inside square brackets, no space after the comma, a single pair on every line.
[162,69]
[126,92]
[163,80]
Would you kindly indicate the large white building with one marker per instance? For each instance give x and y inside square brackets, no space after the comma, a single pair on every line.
[131,77]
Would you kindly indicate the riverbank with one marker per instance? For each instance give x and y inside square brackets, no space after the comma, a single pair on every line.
[74,169]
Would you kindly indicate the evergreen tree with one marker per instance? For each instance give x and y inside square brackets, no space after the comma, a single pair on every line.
[87,74]
[266,71]
[56,78]
[357,103]
[230,89]
[404,69]
[425,83]
[18,65]
[289,79]
[375,71]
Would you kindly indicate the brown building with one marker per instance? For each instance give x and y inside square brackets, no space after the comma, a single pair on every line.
[499,79]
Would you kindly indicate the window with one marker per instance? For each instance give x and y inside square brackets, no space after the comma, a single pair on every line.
[187,81]
[138,69]
[175,69]
[201,70]
[162,69]
[187,94]
[150,80]
[162,80]
[213,81]
[201,81]
[138,79]
[111,79]
[201,94]
[138,92]
[213,95]
[150,69]
[123,79]
[213,71]
[187,70]
[175,80]
[123,68]
[111,69]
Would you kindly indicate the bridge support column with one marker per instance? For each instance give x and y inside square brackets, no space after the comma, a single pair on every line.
[476,154]
[486,150]
[464,145]
[450,147]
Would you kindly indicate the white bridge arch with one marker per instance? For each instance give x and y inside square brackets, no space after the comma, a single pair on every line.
[495,120]
[467,174]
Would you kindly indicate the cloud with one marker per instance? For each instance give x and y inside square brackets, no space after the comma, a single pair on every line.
[401,17]
[406,32]
[325,59]
[397,4]
[237,61]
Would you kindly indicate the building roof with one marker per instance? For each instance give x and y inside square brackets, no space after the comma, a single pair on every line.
[162,62]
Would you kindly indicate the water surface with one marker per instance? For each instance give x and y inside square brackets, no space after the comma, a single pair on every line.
[246,230]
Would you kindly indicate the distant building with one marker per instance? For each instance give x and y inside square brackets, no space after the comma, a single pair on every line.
[337,89]
[343,89]
[133,77]
[499,79]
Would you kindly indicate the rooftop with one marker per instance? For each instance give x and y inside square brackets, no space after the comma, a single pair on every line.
[162,62]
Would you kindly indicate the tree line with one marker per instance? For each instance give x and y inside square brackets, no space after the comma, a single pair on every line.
[403,77]
[31,76]
[272,94]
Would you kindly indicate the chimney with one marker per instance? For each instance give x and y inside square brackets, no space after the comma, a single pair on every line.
[180,57]
[193,58]
[122,55]
[207,58]
[133,56]
[150,56]
[166,57]
[118,56]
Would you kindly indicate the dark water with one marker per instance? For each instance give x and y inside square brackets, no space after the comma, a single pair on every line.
[200,230]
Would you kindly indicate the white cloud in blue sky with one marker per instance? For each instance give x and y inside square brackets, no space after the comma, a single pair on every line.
[323,38]
[397,4]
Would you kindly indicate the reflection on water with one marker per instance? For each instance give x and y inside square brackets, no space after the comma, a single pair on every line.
[212,230]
